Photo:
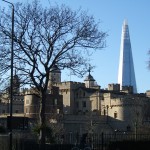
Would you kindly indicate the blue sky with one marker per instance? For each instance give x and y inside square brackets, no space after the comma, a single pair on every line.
[112,13]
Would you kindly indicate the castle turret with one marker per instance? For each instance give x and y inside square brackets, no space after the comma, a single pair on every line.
[16,84]
[54,75]
[89,80]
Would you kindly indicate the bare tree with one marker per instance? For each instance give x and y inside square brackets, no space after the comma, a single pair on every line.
[45,37]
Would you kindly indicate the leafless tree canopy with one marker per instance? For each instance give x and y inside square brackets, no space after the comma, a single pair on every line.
[44,37]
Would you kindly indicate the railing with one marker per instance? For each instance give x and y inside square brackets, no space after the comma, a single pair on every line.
[67,141]
[4,141]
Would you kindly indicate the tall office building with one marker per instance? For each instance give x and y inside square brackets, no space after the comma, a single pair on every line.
[126,75]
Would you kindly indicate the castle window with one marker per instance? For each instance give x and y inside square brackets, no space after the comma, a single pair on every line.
[3,111]
[16,111]
[84,104]
[104,112]
[115,114]
[95,110]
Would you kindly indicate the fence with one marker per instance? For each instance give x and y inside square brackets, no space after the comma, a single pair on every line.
[4,142]
[121,141]
[124,141]
[107,141]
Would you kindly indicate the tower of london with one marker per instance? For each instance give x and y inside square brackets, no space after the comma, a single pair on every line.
[85,106]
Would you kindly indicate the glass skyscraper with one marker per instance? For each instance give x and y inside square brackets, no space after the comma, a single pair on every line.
[126,75]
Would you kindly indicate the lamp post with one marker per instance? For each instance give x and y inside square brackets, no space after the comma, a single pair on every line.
[11,82]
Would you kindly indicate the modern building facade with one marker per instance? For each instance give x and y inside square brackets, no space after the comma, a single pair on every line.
[126,74]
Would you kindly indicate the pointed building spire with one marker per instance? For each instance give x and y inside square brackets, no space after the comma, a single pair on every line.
[126,75]
[125,22]
[89,70]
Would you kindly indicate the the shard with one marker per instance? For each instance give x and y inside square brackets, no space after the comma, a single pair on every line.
[126,75]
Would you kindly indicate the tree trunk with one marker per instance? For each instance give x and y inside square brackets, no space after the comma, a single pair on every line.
[42,121]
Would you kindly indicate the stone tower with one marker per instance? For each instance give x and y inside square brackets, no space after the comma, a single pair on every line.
[126,75]
[54,75]
[89,80]
[16,83]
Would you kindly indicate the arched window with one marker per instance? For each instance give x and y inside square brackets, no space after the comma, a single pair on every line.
[104,112]
[84,104]
[115,114]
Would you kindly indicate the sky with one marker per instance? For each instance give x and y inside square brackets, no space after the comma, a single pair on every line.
[111,14]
